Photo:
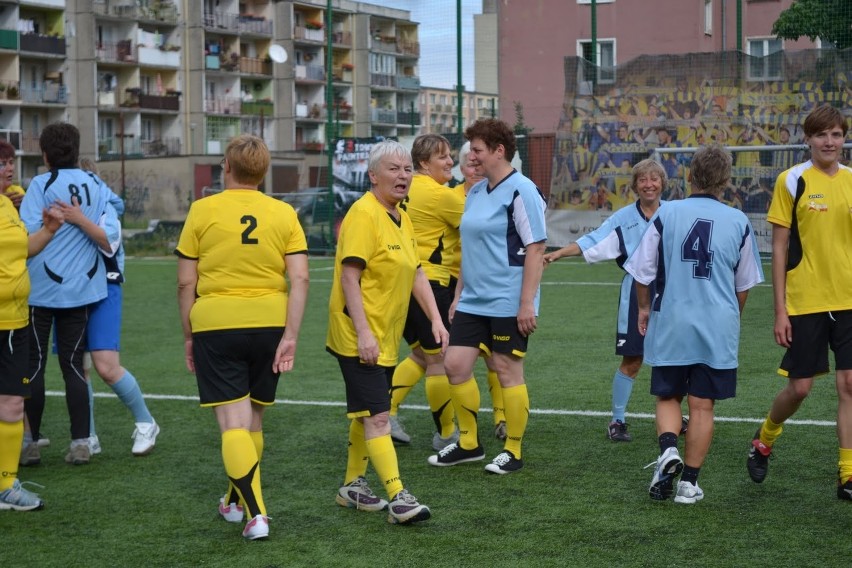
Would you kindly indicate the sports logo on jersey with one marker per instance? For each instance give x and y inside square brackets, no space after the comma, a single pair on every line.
[621,343]
[818,207]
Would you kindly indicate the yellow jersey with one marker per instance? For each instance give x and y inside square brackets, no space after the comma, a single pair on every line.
[240,238]
[387,251]
[14,278]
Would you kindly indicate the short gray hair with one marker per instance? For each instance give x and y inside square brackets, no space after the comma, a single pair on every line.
[386,148]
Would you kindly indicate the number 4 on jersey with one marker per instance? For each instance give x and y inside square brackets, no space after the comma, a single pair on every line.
[696,248]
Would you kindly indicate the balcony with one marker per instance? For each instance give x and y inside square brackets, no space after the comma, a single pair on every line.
[106,99]
[384,43]
[48,92]
[37,43]
[254,25]
[111,148]
[168,146]
[10,90]
[411,48]
[310,72]
[222,105]
[118,52]
[164,12]
[159,57]
[30,143]
[260,108]
[8,39]
[408,118]
[409,82]
[381,80]
[219,20]
[308,34]
[157,102]
[342,38]
[13,137]
[385,116]
[255,66]
[310,146]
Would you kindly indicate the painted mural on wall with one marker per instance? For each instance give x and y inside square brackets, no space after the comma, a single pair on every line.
[612,118]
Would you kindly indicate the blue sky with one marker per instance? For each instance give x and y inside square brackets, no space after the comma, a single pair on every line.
[437,20]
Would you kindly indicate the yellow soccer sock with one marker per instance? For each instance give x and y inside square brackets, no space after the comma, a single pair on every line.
[466,402]
[770,431]
[438,395]
[405,376]
[357,457]
[243,469]
[496,391]
[11,438]
[383,456]
[844,464]
[233,495]
[517,402]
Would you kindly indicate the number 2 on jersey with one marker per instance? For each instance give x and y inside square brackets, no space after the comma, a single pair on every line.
[252,225]
[696,248]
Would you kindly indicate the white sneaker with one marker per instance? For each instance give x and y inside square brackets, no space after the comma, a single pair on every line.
[144,438]
[257,528]
[398,434]
[94,445]
[232,512]
[668,467]
[688,493]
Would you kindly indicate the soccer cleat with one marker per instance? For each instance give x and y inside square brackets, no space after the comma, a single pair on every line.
[404,509]
[504,463]
[232,512]
[257,528]
[684,425]
[617,432]
[358,495]
[688,493]
[144,438]
[500,430]
[455,454]
[398,435]
[94,445]
[78,455]
[439,442]
[844,490]
[30,455]
[668,467]
[758,459]
[16,498]
[43,442]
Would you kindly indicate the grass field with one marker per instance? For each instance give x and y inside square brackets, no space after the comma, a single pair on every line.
[579,501]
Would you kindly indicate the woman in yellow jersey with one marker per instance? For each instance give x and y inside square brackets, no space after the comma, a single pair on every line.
[376,270]
[240,320]
[435,211]
[15,248]
[7,174]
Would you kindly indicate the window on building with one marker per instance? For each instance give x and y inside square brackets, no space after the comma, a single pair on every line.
[600,66]
[431,98]
[148,131]
[767,59]
[443,99]
[708,17]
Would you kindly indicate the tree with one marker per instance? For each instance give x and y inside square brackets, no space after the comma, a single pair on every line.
[829,20]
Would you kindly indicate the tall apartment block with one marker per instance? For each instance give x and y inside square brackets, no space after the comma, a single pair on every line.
[158,87]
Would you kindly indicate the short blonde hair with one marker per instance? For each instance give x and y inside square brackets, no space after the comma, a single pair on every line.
[648,166]
[710,169]
[249,159]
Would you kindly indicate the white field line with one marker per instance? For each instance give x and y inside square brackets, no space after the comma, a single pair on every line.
[541,411]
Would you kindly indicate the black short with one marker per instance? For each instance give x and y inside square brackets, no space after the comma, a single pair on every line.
[813,334]
[698,380]
[15,362]
[367,387]
[234,364]
[488,334]
[418,326]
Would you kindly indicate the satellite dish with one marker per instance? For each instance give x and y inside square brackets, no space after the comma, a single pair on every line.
[277,53]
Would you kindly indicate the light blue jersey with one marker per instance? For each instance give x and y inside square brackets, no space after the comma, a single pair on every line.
[699,252]
[616,239]
[497,225]
[69,272]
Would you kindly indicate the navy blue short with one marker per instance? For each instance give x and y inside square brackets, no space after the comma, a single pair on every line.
[488,334]
[628,341]
[813,334]
[698,380]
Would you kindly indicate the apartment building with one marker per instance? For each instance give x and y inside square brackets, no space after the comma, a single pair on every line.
[158,87]
[439,108]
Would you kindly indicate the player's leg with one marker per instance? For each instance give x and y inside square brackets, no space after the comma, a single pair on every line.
[41,322]
[630,344]
[497,406]
[407,374]
[70,345]
[841,344]
[669,385]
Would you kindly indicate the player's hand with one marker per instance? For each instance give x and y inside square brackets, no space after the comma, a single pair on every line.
[72,213]
[368,348]
[15,198]
[190,360]
[441,335]
[643,321]
[527,322]
[550,257]
[285,355]
[783,330]
[52,218]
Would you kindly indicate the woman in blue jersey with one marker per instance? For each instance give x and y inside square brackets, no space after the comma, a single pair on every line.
[616,239]
[496,307]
